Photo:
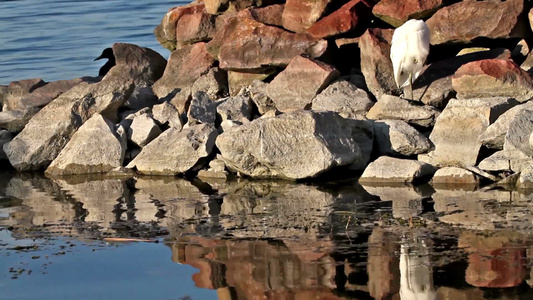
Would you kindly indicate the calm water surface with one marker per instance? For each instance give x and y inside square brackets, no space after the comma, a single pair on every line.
[170,238]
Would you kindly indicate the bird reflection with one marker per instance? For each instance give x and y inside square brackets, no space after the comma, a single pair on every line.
[416,273]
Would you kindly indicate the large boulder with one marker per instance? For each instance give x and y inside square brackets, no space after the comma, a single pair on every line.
[493,78]
[245,44]
[166,31]
[394,108]
[458,127]
[397,138]
[94,148]
[295,145]
[351,16]
[185,150]
[345,98]
[390,169]
[195,27]
[298,15]
[51,128]
[398,12]
[474,19]
[298,84]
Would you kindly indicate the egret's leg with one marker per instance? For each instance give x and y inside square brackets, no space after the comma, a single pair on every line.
[411,85]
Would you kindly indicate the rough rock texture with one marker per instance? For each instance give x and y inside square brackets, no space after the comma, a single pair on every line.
[394,108]
[493,78]
[498,161]
[94,148]
[398,12]
[389,169]
[5,137]
[216,6]
[235,108]
[41,96]
[353,15]
[474,19]
[345,98]
[257,91]
[18,89]
[142,96]
[298,84]
[239,80]
[195,27]
[269,15]
[15,120]
[185,150]
[167,114]
[202,110]
[184,67]
[217,169]
[245,44]
[44,137]
[142,65]
[494,136]
[294,145]
[214,84]
[525,181]
[395,137]
[453,175]
[516,145]
[166,31]
[457,130]
[143,130]
[375,61]
[299,15]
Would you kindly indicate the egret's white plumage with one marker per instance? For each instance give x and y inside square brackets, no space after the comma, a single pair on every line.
[409,50]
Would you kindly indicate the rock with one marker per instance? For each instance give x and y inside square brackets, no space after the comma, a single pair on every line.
[352,16]
[166,114]
[520,51]
[240,80]
[375,61]
[235,108]
[214,84]
[184,67]
[217,169]
[498,161]
[269,15]
[473,19]
[453,176]
[44,137]
[389,169]
[436,94]
[181,101]
[185,150]
[142,65]
[45,94]
[395,137]
[527,65]
[258,93]
[460,148]
[216,6]
[396,13]
[5,137]
[15,120]
[393,108]
[142,97]
[493,78]
[17,89]
[298,84]
[143,130]
[94,148]
[298,16]
[245,44]
[345,98]
[406,200]
[516,145]
[294,145]
[363,133]
[166,31]
[197,26]
[202,110]
[494,136]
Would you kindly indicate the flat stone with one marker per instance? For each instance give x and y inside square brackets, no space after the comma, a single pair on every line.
[395,137]
[453,175]
[298,84]
[298,16]
[235,108]
[94,148]
[345,98]
[143,130]
[389,169]
[494,135]
[460,148]
[396,13]
[202,110]
[166,31]
[185,150]
[352,16]
[239,80]
[394,108]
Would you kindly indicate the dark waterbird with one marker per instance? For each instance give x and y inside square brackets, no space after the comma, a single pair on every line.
[107,53]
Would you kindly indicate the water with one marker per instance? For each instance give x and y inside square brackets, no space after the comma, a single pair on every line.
[59,39]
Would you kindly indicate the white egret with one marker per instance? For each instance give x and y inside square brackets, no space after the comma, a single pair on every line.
[408,52]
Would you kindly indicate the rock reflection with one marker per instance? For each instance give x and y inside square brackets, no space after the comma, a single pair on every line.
[407,200]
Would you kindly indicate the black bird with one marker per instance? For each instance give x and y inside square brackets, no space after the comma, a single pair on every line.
[107,53]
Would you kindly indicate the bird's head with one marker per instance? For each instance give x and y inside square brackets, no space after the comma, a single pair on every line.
[107,53]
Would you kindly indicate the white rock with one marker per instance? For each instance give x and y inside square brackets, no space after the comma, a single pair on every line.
[395,137]
[389,169]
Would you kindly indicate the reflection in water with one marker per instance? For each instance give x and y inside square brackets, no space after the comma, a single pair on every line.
[281,240]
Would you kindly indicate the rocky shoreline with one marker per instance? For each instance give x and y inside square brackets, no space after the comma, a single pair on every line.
[293,90]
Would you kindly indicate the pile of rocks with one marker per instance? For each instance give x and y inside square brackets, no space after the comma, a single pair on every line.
[293,89]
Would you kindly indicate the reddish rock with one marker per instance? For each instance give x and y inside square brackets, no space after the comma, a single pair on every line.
[217,6]
[166,31]
[245,44]
[269,15]
[353,15]
[299,83]
[376,65]
[299,16]
[195,27]
[184,67]
[464,21]
[397,12]
[492,78]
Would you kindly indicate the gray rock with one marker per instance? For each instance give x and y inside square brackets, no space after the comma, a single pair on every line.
[453,175]
[235,108]
[344,98]
[214,84]
[394,108]
[525,181]
[142,97]
[395,137]
[456,146]
[94,148]
[45,94]
[217,169]
[257,91]
[293,145]
[51,128]
[167,114]
[516,145]
[143,130]
[5,137]
[363,133]
[494,135]
[185,150]
[498,161]
[437,93]
[17,89]
[202,110]
[389,169]
[15,120]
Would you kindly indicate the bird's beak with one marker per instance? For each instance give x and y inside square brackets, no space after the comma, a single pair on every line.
[99,57]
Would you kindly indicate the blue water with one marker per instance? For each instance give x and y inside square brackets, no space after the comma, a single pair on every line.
[59,39]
